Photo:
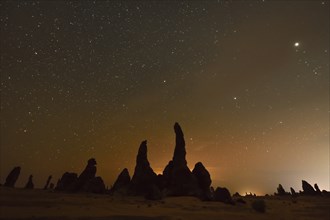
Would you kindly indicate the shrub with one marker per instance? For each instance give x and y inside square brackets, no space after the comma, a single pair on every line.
[259,205]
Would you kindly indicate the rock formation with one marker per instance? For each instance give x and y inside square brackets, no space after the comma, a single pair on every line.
[223,195]
[29,184]
[67,182]
[307,188]
[280,191]
[12,177]
[122,182]
[236,194]
[86,182]
[47,183]
[317,189]
[94,185]
[51,186]
[293,192]
[180,180]
[204,180]
[87,174]
[144,176]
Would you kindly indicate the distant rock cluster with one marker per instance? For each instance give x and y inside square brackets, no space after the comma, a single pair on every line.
[176,180]
[307,190]
[86,182]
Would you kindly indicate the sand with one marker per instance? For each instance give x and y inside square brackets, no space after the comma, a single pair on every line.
[41,204]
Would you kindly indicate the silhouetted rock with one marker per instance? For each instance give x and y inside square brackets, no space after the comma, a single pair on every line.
[94,185]
[87,174]
[86,182]
[51,186]
[144,177]
[181,181]
[281,191]
[204,180]
[167,173]
[293,192]
[29,184]
[223,195]
[236,194]
[67,182]
[122,182]
[325,193]
[47,183]
[307,188]
[179,157]
[12,177]
[317,189]
[153,193]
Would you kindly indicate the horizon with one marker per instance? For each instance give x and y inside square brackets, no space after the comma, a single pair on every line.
[259,190]
[248,81]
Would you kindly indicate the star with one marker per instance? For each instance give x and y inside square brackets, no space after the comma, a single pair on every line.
[296,44]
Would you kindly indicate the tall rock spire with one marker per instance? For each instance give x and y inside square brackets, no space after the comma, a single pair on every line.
[143,176]
[178,178]
[179,157]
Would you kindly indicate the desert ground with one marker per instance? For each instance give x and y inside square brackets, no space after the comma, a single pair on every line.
[40,204]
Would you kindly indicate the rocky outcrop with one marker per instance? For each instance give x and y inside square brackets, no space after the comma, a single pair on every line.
[293,192]
[94,185]
[317,189]
[87,174]
[12,177]
[86,182]
[180,180]
[223,195]
[308,189]
[47,183]
[204,180]
[51,186]
[67,182]
[281,191]
[122,182]
[144,176]
[29,184]
[236,194]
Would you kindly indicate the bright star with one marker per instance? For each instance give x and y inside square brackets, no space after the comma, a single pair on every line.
[296,44]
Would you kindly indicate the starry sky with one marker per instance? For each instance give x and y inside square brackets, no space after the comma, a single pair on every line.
[248,81]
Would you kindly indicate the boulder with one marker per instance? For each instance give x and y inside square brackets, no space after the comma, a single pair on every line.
[12,177]
[223,195]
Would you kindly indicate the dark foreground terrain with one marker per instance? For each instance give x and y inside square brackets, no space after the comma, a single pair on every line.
[41,204]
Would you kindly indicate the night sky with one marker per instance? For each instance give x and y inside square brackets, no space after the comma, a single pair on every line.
[248,81]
